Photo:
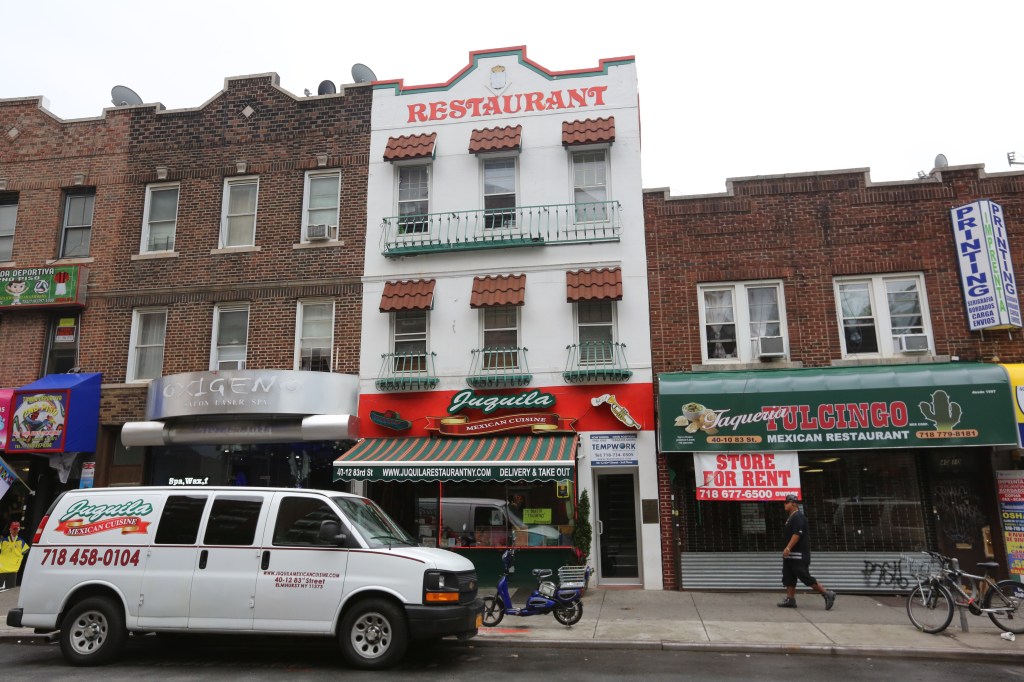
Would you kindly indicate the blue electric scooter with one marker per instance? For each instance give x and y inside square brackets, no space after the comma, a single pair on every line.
[563,601]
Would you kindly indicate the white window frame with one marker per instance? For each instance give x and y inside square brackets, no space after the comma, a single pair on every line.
[591,149]
[334,228]
[879,299]
[403,365]
[425,228]
[68,198]
[214,348]
[225,201]
[7,203]
[507,222]
[577,325]
[486,360]
[132,373]
[741,318]
[150,189]
[300,318]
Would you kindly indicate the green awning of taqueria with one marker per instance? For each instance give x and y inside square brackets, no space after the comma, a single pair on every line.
[509,458]
[836,408]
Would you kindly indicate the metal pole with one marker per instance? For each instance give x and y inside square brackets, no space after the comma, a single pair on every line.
[955,565]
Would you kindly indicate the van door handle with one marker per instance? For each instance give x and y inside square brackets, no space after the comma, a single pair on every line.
[600,527]
[265,564]
[202,558]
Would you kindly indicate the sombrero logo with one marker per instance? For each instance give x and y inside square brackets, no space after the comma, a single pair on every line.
[84,518]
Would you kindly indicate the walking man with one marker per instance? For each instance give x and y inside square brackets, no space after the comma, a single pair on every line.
[796,558]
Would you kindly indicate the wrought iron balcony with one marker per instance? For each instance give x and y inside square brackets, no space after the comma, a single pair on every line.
[411,371]
[596,362]
[498,368]
[409,235]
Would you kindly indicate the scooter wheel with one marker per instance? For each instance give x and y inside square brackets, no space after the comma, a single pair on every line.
[494,611]
[569,615]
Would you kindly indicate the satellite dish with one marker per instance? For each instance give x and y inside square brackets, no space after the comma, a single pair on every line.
[940,161]
[326,88]
[122,96]
[361,73]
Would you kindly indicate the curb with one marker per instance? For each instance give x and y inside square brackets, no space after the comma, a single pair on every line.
[993,656]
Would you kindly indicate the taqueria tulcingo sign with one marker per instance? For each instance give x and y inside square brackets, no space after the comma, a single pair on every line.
[848,420]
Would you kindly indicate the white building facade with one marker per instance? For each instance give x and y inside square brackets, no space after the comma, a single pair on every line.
[505,364]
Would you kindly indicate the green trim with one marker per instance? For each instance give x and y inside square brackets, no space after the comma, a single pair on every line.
[462,246]
[406,383]
[499,380]
[582,376]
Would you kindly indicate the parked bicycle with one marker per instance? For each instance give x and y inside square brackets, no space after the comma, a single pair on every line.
[931,603]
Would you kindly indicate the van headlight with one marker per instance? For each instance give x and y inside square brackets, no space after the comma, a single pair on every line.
[440,587]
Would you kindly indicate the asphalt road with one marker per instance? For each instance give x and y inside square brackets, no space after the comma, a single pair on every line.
[196,659]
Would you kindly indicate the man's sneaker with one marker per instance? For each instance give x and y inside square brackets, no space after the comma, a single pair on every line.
[830,600]
[787,603]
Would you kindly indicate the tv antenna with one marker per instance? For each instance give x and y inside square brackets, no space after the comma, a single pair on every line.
[361,73]
[123,96]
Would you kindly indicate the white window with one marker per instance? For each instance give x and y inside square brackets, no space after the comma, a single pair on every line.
[413,199]
[882,315]
[499,177]
[159,218]
[742,322]
[590,185]
[238,212]
[322,197]
[595,331]
[146,352]
[409,340]
[315,331]
[77,232]
[230,336]
[500,336]
[8,219]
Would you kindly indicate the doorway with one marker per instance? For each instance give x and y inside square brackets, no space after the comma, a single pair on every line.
[618,532]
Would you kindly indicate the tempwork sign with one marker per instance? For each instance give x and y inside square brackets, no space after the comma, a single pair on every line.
[986,272]
[747,476]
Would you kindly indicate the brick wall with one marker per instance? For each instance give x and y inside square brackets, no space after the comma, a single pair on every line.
[805,230]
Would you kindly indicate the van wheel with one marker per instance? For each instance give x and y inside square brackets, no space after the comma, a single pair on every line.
[373,634]
[93,632]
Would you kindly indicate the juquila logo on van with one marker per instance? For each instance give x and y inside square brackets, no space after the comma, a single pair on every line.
[83,518]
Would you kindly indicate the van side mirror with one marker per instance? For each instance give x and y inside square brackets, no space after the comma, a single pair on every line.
[330,531]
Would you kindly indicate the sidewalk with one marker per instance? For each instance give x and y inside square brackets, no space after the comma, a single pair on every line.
[869,626]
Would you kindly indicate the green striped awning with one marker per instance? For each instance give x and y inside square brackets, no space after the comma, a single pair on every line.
[508,458]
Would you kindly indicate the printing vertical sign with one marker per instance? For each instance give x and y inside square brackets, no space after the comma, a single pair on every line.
[986,272]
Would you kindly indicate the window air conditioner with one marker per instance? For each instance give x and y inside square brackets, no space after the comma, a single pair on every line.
[770,347]
[231,364]
[913,343]
[319,232]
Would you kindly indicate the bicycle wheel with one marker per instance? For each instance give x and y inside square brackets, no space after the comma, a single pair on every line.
[1010,598]
[930,607]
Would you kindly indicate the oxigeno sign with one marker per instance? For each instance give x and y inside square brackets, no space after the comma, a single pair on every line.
[986,272]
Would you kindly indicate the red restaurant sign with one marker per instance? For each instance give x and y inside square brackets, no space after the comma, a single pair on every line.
[513,423]
[523,102]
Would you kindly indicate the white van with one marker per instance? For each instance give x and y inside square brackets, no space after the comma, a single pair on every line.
[109,562]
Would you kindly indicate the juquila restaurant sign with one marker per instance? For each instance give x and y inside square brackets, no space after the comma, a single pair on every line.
[941,405]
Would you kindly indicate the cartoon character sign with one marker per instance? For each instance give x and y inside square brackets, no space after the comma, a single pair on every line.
[16,288]
[37,422]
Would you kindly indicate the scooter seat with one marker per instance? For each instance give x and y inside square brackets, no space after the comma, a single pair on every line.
[541,573]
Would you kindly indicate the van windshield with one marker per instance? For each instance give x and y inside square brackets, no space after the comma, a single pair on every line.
[373,524]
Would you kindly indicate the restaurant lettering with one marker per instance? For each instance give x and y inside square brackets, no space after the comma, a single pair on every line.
[533,400]
[526,102]
[827,416]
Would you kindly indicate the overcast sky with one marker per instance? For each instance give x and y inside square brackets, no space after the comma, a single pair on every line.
[727,89]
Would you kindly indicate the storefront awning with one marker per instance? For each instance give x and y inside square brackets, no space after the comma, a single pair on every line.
[58,413]
[519,458]
[836,408]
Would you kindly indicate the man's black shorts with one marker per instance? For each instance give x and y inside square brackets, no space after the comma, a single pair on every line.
[797,569]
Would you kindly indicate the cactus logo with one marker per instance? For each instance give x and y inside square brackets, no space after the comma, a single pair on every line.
[941,411]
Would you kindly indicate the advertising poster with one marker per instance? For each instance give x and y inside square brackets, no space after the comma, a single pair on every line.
[747,476]
[613,449]
[7,478]
[5,414]
[43,287]
[88,475]
[37,421]
[1011,511]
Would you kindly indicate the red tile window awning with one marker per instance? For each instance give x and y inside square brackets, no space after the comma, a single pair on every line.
[604,284]
[505,139]
[408,147]
[498,290]
[416,294]
[589,131]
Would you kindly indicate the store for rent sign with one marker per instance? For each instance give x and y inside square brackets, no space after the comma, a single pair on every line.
[986,272]
[747,476]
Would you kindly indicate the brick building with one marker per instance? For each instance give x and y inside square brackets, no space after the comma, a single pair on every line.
[814,325]
[221,242]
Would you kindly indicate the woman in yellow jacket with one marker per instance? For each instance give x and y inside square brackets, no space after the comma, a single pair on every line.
[12,550]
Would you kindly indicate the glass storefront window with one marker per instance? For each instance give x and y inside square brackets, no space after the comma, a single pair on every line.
[854,501]
[482,514]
